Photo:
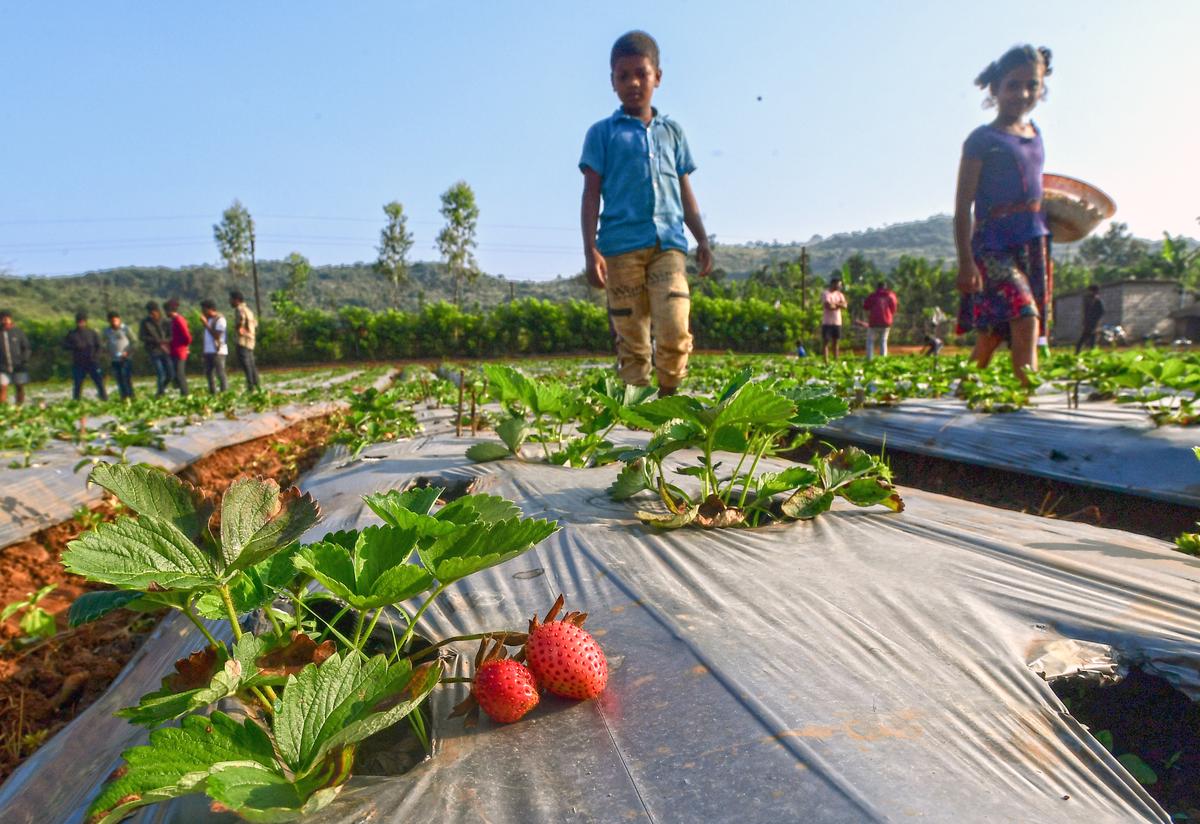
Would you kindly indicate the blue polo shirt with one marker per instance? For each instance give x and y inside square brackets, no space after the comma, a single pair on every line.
[640,166]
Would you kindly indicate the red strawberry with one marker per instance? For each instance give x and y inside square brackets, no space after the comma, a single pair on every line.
[564,657]
[505,689]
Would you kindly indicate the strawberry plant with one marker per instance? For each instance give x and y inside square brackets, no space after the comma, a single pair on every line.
[1189,542]
[36,624]
[570,425]
[375,417]
[750,421]
[312,685]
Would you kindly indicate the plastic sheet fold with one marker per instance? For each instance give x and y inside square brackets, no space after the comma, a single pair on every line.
[1104,445]
[865,666]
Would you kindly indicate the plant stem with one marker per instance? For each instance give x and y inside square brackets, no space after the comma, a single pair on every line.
[231,611]
[187,610]
[746,484]
[358,627]
[412,624]
[417,721]
[262,699]
[446,641]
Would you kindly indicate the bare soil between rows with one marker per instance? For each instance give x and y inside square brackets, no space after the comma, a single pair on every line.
[45,685]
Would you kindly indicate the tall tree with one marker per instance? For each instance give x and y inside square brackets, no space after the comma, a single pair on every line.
[394,243]
[456,241]
[235,241]
[288,299]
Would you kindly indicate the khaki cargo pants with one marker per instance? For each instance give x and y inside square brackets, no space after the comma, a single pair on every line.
[648,288]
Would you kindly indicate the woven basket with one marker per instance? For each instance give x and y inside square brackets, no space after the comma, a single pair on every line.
[1073,208]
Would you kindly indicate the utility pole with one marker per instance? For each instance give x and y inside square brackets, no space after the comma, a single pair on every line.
[254,270]
[803,278]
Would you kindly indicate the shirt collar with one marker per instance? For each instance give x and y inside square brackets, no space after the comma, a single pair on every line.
[620,114]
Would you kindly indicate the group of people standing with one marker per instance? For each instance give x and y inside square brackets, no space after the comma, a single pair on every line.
[166,338]
[880,306]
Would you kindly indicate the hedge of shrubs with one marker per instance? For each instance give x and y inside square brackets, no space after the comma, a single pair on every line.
[524,327]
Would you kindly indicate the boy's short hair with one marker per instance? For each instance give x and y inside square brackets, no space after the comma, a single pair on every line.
[172,305]
[152,306]
[112,315]
[1094,288]
[4,313]
[236,294]
[80,315]
[207,304]
[634,44]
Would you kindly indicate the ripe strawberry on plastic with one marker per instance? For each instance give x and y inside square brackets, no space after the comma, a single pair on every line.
[505,689]
[564,658]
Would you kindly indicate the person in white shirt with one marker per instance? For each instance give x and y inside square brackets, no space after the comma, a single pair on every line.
[216,346]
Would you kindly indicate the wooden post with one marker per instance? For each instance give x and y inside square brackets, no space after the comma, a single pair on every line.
[474,420]
[254,270]
[803,277]
[458,417]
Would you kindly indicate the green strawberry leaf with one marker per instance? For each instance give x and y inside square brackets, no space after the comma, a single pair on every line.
[772,483]
[1138,768]
[143,554]
[330,565]
[256,520]
[482,545]
[847,465]
[486,451]
[871,491]
[807,503]
[394,507]
[471,509]
[92,606]
[343,701]
[630,481]
[815,405]
[148,490]
[236,673]
[513,431]
[178,761]
[756,404]
[681,407]
[265,796]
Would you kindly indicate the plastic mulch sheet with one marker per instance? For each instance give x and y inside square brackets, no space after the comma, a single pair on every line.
[1104,445]
[49,493]
[866,666]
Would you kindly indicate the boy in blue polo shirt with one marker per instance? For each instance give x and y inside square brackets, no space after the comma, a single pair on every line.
[637,161]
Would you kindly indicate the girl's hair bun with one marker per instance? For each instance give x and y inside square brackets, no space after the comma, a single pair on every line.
[1016,56]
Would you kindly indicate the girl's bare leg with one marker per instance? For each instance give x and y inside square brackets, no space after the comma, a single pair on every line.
[1024,347]
[986,344]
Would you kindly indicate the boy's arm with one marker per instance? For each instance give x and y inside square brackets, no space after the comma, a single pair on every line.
[589,219]
[691,216]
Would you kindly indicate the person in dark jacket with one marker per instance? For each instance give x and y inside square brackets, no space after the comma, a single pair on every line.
[1093,310]
[14,358]
[85,348]
[155,335]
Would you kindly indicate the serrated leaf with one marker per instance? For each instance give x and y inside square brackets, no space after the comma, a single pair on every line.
[140,554]
[486,451]
[320,701]
[395,507]
[846,465]
[730,438]
[178,761]
[265,796]
[478,508]
[513,432]
[330,565]
[235,673]
[148,490]
[630,481]
[669,520]
[871,491]
[772,483]
[256,520]
[815,405]
[807,503]
[482,545]
[755,404]
[92,606]
[672,407]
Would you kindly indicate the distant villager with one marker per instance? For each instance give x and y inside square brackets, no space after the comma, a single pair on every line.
[155,335]
[246,327]
[215,348]
[119,341]
[881,306]
[1093,310]
[85,347]
[833,301]
[14,358]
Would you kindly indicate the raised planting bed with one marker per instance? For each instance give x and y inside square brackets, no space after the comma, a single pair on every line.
[864,665]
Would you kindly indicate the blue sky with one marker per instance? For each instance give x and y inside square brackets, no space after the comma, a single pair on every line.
[128,127]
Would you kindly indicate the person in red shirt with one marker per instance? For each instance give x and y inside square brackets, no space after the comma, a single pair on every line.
[181,339]
[881,308]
